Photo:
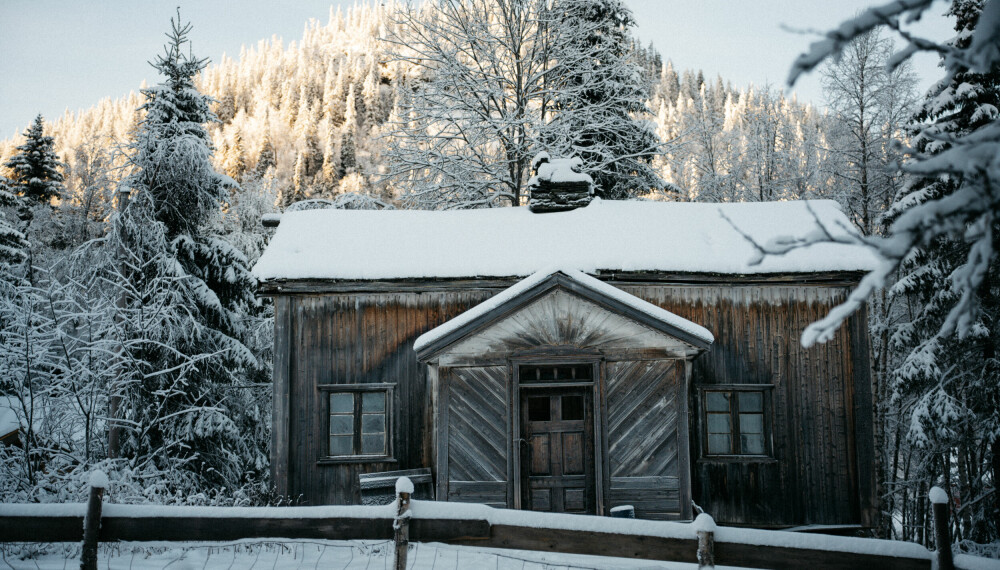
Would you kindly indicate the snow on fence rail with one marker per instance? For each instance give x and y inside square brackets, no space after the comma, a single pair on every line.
[459,524]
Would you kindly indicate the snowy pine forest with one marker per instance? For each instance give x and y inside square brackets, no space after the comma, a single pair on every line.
[132,338]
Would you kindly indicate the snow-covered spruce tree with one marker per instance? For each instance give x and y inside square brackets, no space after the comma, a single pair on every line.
[946,234]
[598,93]
[13,245]
[952,382]
[185,392]
[35,169]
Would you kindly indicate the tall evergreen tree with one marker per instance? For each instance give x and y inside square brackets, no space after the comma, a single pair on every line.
[944,239]
[598,93]
[13,245]
[950,381]
[36,168]
[266,159]
[348,151]
[185,405]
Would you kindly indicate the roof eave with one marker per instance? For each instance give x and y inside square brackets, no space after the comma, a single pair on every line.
[273,286]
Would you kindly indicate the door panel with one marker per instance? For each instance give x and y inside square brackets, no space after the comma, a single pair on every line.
[558,429]
[540,454]
[572,447]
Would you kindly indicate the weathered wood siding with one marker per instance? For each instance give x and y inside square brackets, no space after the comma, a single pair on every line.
[821,412]
[644,412]
[354,339]
[817,439]
[478,435]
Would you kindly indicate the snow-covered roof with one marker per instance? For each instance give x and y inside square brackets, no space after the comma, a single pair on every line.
[506,242]
[445,329]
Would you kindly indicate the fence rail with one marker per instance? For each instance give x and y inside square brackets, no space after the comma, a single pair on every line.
[489,528]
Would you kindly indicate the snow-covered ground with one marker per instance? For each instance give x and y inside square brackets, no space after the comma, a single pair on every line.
[342,555]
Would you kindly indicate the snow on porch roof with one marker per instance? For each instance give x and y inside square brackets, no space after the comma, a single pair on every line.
[432,336]
[505,242]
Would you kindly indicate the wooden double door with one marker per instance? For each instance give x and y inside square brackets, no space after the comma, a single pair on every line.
[557,461]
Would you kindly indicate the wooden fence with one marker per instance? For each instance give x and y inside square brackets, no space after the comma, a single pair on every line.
[700,542]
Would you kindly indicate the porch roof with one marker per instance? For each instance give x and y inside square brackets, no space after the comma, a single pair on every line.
[526,290]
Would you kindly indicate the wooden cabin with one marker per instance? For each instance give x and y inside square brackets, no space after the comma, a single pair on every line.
[621,353]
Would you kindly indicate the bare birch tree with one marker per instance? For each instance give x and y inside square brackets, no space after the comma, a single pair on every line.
[466,134]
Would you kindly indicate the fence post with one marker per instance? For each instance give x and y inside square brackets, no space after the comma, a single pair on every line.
[404,488]
[939,500]
[92,520]
[704,526]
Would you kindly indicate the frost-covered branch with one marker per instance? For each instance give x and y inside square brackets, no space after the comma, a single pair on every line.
[968,213]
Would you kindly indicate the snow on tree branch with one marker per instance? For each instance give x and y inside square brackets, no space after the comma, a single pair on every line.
[967,157]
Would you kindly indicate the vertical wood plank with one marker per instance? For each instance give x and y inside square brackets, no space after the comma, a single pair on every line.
[601,477]
[444,382]
[862,409]
[281,388]
[683,371]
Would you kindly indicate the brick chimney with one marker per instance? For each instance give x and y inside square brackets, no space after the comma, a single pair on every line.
[558,184]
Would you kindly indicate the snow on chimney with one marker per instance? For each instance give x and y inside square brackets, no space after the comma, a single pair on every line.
[558,184]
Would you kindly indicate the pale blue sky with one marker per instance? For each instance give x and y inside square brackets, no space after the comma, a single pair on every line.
[68,54]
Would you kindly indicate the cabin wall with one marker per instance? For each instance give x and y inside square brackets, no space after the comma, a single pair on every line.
[821,399]
[817,436]
[351,339]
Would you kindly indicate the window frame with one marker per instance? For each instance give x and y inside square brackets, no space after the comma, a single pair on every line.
[325,390]
[766,391]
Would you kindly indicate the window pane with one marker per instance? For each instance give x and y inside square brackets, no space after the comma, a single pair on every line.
[373,423]
[341,444]
[342,403]
[751,402]
[751,423]
[572,407]
[717,401]
[341,424]
[719,423]
[373,402]
[719,444]
[752,444]
[578,372]
[373,444]
[538,409]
